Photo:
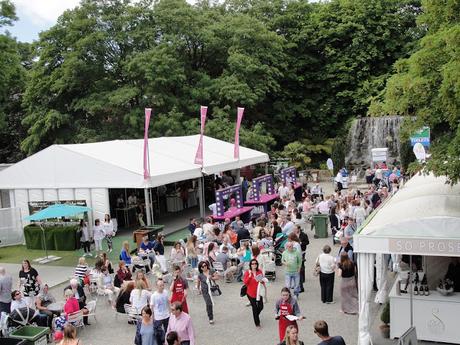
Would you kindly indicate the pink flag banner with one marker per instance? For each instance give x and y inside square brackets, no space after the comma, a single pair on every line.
[148,112]
[236,148]
[199,152]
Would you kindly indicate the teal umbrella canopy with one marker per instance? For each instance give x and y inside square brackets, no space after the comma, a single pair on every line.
[57,211]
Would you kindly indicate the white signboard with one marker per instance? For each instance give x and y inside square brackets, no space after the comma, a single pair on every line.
[427,246]
[379,154]
[330,164]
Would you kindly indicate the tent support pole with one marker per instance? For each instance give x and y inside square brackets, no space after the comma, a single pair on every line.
[147,206]
[266,168]
[411,292]
[238,176]
[44,240]
[201,195]
[151,206]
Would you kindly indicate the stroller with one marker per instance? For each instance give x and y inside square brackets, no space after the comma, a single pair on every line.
[268,263]
[21,317]
[280,241]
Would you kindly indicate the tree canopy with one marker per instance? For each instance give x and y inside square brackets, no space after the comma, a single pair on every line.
[426,85]
[300,69]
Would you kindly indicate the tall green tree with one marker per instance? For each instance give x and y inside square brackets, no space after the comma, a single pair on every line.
[427,86]
[12,84]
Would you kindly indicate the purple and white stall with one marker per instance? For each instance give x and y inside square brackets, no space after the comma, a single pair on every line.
[289,176]
[244,212]
[262,202]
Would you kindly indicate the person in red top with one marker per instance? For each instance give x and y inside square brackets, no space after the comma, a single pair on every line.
[179,289]
[71,306]
[253,278]
[286,305]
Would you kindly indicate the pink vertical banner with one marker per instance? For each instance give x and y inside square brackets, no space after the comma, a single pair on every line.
[236,148]
[148,112]
[199,151]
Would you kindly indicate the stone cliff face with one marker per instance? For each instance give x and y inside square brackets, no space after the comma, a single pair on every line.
[373,132]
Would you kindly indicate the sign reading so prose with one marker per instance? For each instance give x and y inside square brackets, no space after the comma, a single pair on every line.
[426,246]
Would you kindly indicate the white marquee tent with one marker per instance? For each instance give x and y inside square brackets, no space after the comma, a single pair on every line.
[87,171]
[423,218]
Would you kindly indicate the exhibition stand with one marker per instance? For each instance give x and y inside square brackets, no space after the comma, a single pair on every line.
[420,221]
[223,194]
[289,176]
[262,202]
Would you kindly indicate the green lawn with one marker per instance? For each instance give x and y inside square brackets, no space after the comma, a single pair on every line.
[15,254]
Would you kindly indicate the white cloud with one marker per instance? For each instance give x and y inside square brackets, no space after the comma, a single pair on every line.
[41,12]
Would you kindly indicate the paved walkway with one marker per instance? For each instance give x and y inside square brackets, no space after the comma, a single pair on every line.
[233,320]
[51,275]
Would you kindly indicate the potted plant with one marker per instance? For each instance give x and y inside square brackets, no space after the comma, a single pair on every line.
[385,317]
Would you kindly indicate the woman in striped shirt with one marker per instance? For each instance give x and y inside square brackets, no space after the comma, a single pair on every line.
[82,269]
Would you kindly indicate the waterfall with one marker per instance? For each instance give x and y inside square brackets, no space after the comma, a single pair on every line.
[367,133]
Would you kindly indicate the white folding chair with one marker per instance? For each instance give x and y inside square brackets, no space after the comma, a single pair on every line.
[132,313]
[76,319]
[91,306]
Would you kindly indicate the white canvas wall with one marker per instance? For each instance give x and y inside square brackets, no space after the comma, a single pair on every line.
[21,199]
[35,195]
[100,202]
[50,194]
[66,194]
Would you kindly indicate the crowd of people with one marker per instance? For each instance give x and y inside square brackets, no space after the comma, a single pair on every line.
[231,252]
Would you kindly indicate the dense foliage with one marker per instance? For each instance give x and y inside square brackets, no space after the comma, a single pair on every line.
[300,69]
[426,85]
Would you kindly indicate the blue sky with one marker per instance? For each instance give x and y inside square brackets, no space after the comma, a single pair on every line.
[36,16]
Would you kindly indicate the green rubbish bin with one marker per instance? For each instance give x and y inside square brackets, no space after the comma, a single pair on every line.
[320,225]
[33,335]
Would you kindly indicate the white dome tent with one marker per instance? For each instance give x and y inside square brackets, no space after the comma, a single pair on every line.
[423,218]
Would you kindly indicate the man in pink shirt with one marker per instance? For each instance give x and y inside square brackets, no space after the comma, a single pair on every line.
[181,323]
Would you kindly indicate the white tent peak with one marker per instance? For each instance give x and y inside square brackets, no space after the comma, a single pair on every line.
[426,207]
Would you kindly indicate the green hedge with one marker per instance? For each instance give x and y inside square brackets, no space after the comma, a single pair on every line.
[57,237]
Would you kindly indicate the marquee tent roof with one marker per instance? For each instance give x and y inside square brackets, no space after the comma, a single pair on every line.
[425,208]
[119,163]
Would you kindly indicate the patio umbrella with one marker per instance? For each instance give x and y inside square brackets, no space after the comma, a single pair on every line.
[56,211]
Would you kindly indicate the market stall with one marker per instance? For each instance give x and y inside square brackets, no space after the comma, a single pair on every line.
[419,225]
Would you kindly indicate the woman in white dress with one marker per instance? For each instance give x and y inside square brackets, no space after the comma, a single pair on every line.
[109,231]
[98,235]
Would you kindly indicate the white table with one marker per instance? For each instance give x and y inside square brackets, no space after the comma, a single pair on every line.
[435,316]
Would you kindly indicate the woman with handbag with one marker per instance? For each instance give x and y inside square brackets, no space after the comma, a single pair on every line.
[253,279]
[208,287]
[325,264]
